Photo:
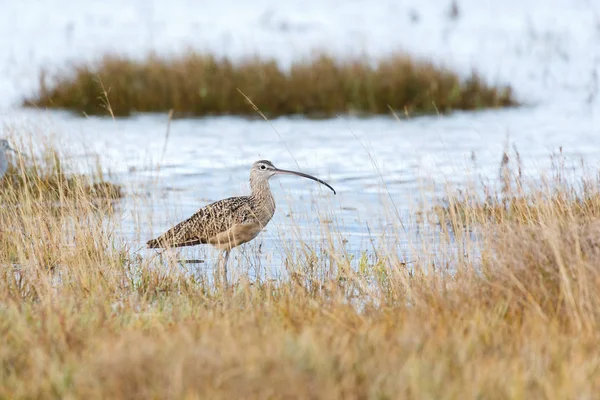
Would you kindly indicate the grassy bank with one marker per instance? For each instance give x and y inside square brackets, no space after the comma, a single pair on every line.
[199,85]
[39,172]
[559,195]
[40,195]
[523,322]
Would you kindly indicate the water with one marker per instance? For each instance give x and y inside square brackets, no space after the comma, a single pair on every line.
[382,168]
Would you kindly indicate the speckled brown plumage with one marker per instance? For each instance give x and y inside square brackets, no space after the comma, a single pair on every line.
[231,222]
[226,223]
[216,224]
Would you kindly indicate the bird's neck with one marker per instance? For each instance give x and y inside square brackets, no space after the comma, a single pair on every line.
[261,194]
[260,188]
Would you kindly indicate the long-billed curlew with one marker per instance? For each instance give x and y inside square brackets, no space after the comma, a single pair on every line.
[230,222]
[4,147]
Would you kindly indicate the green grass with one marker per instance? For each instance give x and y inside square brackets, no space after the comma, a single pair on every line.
[198,85]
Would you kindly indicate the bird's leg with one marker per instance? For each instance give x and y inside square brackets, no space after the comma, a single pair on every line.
[220,277]
[224,268]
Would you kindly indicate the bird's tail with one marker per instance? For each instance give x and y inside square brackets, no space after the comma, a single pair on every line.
[165,240]
[154,244]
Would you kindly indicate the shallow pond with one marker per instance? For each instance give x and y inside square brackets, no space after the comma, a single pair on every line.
[383,169]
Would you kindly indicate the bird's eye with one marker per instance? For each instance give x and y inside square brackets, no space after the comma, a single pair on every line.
[263,167]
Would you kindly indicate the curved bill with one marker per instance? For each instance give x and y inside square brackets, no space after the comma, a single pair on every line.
[286,172]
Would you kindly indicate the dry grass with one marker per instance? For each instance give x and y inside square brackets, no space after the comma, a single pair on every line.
[39,172]
[205,85]
[100,323]
[556,196]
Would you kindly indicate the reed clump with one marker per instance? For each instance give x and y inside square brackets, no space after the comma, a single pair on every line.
[521,321]
[40,173]
[471,209]
[555,195]
[198,85]
[39,195]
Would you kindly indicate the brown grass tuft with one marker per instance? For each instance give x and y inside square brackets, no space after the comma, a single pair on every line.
[44,176]
[205,85]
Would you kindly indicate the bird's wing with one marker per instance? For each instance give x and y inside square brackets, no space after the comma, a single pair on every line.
[207,222]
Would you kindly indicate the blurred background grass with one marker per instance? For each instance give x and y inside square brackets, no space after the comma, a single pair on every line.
[197,85]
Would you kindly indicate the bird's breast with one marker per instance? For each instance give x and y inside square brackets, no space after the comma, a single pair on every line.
[264,212]
[236,235]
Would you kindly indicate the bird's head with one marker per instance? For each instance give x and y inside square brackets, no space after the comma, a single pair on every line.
[262,170]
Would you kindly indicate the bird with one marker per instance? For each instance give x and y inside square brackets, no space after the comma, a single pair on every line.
[233,221]
[4,147]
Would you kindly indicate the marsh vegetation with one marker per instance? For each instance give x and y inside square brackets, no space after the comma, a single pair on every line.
[84,316]
[198,85]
